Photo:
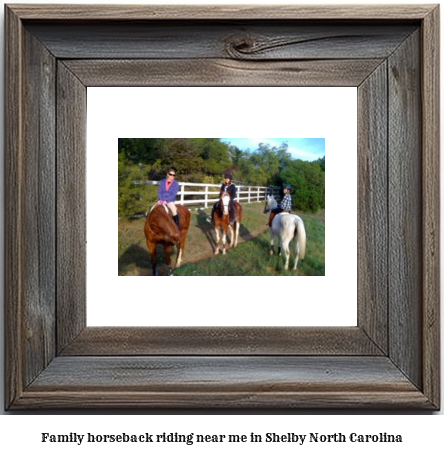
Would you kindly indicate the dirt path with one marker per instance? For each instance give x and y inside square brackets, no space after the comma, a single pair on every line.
[193,255]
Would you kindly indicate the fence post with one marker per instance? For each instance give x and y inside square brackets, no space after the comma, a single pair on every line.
[182,191]
[206,197]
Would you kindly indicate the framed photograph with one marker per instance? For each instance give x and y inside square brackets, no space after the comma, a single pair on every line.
[308,113]
[389,359]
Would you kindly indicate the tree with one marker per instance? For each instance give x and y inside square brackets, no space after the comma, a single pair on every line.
[321,162]
[215,155]
[308,180]
[133,198]
[141,150]
[236,154]
[184,154]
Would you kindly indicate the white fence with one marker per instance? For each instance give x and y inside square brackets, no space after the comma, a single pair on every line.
[210,193]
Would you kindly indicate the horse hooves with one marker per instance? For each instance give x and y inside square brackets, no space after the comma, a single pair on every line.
[155,273]
[170,271]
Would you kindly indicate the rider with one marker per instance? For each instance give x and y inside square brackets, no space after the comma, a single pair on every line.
[167,193]
[284,206]
[230,188]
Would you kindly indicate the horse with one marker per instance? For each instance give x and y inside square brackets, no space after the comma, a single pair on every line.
[221,220]
[286,227]
[270,204]
[160,228]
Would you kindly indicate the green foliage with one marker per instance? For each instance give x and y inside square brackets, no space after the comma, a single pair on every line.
[189,155]
[134,198]
[321,162]
[236,154]
[182,154]
[141,150]
[308,180]
[215,155]
[206,160]
[263,166]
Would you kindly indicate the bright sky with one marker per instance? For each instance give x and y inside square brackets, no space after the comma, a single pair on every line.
[308,149]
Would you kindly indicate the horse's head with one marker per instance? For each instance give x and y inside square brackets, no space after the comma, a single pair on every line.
[270,203]
[225,201]
[173,235]
[163,226]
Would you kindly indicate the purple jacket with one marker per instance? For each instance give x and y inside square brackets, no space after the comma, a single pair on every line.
[170,195]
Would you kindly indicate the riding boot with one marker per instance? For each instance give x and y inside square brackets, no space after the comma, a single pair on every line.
[231,212]
[270,220]
[211,217]
[176,220]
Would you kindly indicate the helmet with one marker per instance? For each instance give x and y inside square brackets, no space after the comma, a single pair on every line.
[289,187]
[228,176]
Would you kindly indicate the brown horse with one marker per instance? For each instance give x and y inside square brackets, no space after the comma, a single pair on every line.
[221,220]
[160,228]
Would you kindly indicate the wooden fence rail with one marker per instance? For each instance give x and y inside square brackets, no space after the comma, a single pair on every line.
[210,193]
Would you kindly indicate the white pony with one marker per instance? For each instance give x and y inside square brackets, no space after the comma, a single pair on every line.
[270,203]
[286,227]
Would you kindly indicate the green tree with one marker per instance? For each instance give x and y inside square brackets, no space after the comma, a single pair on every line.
[184,154]
[321,162]
[215,155]
[236,155]
[133,197]
[308,180]
[141,150]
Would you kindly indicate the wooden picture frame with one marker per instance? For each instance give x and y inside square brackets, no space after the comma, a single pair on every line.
[390,360]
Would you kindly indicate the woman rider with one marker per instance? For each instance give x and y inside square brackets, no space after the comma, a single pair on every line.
[230,188]
[167,193]
[284,206]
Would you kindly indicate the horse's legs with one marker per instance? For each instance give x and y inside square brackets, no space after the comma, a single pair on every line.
[271,242]
[181,249]
[286,249]
[296,260]
[224,242]
[236,233]
[231,235]
[152,248]
[179,255]
[296,252]
[216,252]
[168,259]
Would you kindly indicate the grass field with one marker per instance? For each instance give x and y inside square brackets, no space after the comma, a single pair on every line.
[250,258]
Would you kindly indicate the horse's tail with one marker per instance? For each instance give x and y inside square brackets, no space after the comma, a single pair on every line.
[301,237]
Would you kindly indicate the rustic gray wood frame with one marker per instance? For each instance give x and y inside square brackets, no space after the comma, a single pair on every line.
[390,360]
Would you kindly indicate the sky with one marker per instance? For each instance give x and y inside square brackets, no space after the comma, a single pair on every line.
[308,149]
